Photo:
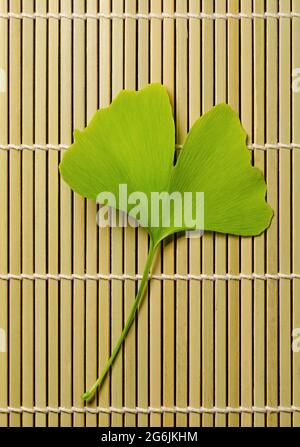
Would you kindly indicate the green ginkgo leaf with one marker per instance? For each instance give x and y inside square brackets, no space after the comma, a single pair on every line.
[132,143]
[216,160]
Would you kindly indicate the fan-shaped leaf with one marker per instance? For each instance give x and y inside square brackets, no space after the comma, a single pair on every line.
[132,143]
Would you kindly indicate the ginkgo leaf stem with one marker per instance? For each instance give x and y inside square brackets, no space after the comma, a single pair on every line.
[88,395]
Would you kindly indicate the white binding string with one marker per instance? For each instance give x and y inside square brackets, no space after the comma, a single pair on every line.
[34,147]
[60,147]
[150,410]
[149,16]
[277,146]
[161,277]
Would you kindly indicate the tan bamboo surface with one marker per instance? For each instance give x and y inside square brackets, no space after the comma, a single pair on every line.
[14,213]
[233,92]
[53,213]
[104,72]
[81,76]
[272,235]
[259,242]
[155,329]
[220,240]
[142,374]
[285,208]
[4,138]
[117,253]
[246,305]
[181,327]
[169,248]
[53,369]
[130,233]
[65,222]
[295,320]
[207,347]
[210,350]
[27,218]
[90,76]
[194,340]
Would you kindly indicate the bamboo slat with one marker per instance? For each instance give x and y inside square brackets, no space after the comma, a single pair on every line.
[104,233]
[233,242]
[207,240]
[65,218]
[194,341]
[220,240]
[246,243]
[79,112]
[143,313]
[130,233]
[117,233]
[53,215]
[259,242]
[4,173]
[155,334]
[296,209]
[272,235]
[15,214]
[169,247]
[91,347]
[182,299]
[27,215]
[40,212]
[285,212]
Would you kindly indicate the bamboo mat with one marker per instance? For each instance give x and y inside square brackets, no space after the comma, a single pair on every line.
[212,344]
